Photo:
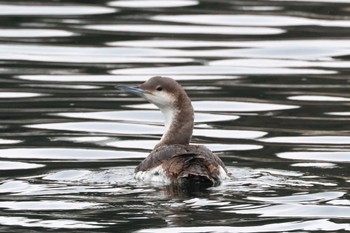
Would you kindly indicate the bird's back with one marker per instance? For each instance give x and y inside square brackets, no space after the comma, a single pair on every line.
[182,164]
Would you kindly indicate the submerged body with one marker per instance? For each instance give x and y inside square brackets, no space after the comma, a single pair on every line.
[174,160]
[182,164]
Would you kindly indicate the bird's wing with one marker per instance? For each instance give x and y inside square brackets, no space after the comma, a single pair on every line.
[164,153]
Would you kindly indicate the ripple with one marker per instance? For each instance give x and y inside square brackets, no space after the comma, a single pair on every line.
[260,181]
[237,134]
[153,3]
[7,165]
[250,20]
[279,63]
[97,181]
[300,211]
[201,202]
[82,139]
[308,225]
[277,172]
[313,197]
[219,70]
[312,50]
[8,141]
[67,154]
[228,106]
[74,54]
[15,186]
[168,43]
[329,156]
[318,165]
[326,1]
[149,145]
[47,205]
[319,43]
[339,202]
[34,33]
[185,29]
[18,94]
[67,175]
[142,116]
[80,58]
[338,113]
[232,147]
[58,86]
[116,78]
[239,106]
[54,224]
[318,98]
[53,10]
[138,129]
[259,8]
[310,140]
[103,127]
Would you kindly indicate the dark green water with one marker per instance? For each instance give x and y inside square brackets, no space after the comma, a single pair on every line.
[269,82]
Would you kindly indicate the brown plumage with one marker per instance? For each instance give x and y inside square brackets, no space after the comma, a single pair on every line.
[183,162]
[173,156]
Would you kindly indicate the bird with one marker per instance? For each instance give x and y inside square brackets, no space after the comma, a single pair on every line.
[174,160]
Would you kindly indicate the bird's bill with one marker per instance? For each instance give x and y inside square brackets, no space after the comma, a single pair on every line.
[134,90]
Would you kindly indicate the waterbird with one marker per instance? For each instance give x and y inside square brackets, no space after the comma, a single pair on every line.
[174,160]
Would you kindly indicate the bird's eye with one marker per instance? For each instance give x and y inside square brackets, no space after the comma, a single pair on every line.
[159,88]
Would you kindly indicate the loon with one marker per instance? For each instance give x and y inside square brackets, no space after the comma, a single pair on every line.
[174,159]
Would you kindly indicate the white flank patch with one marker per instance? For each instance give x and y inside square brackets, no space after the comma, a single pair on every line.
[156,175]
[223,174]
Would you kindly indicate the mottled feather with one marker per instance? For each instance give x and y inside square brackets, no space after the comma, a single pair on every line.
[184,161]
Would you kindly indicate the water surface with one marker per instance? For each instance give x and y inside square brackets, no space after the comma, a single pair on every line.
[269,82]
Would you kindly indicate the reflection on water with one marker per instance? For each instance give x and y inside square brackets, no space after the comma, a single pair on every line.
[38,9]
[67,154]
[117,78]
[342,140]
[269,82]
[219,70]
[185,29]
[251,20]
[18,165]
[23,33]
[319,98]
[310,225]
[153,3]
[18,94]
[282,44]
[331,156]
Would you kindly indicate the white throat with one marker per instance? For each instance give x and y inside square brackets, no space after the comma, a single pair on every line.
[169,116]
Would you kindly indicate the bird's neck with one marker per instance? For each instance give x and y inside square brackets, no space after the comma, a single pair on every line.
[178,121]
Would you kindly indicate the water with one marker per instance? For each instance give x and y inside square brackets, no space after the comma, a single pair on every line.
[269,82]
